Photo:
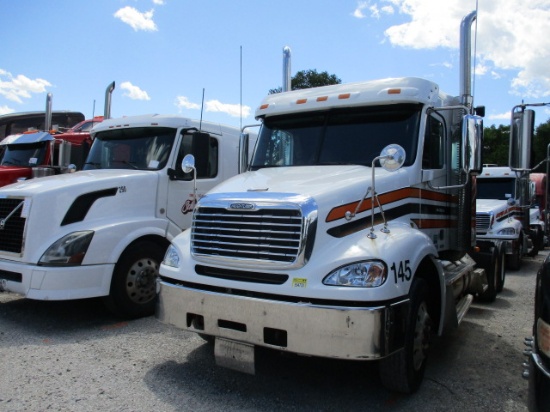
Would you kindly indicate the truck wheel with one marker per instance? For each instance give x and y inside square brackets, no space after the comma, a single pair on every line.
[514,261]
[403,371]
[133,286]
[490,262]
[501,257]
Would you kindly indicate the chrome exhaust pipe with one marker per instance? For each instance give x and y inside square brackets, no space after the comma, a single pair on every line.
[108,94]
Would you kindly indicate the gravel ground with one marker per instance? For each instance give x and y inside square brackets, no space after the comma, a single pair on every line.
[76,356]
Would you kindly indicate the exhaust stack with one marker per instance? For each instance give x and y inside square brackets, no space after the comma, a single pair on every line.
[287,83]
[108,93]
[466,59]
[48,120]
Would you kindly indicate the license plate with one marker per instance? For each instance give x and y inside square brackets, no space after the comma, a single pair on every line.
[235,355]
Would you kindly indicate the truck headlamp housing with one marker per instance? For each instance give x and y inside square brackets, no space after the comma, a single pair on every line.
[365,274]
[68,251]
[509,231]
[172,258]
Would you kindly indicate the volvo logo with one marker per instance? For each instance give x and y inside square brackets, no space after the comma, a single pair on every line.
[242,206]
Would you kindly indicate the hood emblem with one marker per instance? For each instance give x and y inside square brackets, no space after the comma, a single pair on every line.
[242,206]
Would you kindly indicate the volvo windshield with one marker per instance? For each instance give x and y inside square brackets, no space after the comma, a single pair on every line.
[143,148]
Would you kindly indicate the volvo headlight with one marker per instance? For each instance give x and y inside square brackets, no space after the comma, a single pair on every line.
[68,251]
[172,258]
[366,274]
[509,231]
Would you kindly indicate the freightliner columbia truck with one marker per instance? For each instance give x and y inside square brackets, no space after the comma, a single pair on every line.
[350,236]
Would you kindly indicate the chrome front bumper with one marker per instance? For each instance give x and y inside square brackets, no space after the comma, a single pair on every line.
[344,332]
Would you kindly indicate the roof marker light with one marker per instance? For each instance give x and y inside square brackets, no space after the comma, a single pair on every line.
[394,91]
[264,106]
[322,98]
[301,101]
[344,96]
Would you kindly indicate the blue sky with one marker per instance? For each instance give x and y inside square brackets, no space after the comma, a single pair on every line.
[162,54]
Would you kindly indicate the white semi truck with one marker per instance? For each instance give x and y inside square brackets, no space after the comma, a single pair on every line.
[506,216]
[351,235]
[103,231]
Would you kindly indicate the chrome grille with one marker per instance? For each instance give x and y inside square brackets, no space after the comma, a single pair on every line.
[12,228]
[273,235]
[483,221]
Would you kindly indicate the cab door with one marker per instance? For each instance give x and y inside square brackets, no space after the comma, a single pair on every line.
[180,197]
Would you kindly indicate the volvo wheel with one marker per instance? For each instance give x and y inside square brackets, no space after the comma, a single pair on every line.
[133,286]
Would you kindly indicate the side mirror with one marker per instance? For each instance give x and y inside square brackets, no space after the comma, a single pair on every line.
[392,157]
[472,144]
[521,138]
[188,163]
[243,152]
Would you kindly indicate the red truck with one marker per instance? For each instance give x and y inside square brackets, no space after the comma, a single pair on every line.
[35,154]
[38,153]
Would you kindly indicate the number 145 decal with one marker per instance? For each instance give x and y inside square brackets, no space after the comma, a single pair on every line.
[401,271]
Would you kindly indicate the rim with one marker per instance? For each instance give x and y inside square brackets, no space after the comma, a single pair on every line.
[421,336]
[140,281]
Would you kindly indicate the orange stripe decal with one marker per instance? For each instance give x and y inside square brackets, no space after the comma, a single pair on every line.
[387,198]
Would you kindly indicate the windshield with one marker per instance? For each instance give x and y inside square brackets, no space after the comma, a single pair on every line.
[143,148]
[348,136]
[501,189]
[26,155]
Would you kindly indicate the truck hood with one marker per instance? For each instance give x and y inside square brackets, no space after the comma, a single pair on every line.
[490,205]
[328,186]
[74,184]
[10,174]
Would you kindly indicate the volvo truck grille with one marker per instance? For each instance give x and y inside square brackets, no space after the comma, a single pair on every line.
[12,225]
[483,221]
[271,235]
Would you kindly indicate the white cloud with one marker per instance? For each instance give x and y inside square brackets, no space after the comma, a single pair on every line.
[137,20]
[183,102]
[159,2]
[134,92]
[233,110]
[6,110]
[374,9]
[505,41]
[20,87]
[499,116]
[358,12]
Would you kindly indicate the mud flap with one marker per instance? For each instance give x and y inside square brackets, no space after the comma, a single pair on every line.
[235,355]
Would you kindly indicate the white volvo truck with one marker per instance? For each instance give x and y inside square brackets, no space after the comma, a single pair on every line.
[103,231]
[351,235]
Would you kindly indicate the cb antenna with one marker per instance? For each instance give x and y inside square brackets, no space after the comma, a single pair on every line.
[202,108]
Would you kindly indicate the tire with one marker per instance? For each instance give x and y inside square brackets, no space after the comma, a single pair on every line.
[403,371]
[133,286]
[514,261]
[490,262]
[501,278]
[535,236]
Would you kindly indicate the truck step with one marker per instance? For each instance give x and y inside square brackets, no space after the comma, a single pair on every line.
[463,306]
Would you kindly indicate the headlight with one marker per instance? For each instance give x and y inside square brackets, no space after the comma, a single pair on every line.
[509,231]
[171,258]
[367,274]
[69,250]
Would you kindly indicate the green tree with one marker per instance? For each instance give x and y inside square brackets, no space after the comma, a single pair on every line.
[495,145]
[306,79]
[541,140]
